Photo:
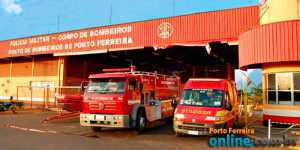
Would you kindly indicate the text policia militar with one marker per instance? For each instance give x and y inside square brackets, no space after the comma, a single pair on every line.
[74,40]
[231,131]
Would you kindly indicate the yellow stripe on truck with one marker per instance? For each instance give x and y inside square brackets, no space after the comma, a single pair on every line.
[222,113]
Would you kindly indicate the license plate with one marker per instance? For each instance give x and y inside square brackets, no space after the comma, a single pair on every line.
[193,132]
[100,117]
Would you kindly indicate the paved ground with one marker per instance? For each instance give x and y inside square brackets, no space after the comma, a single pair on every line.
[70,135]
[25,131]
[277,130]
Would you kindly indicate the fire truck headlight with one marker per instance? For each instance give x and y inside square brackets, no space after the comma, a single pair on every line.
[179,116]
[83,116]
[117,117]
[211,118]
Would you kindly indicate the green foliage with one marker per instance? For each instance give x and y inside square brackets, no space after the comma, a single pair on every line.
[256,93]
[18,104]
[241,95]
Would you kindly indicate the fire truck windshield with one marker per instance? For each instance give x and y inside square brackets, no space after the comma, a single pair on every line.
[106,86]
[201,97]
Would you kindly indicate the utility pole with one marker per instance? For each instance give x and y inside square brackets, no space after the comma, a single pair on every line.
[241,90]
[246,100]
[111,8]
[173,7]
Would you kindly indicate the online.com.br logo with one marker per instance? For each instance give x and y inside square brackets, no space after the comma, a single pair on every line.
[231,141]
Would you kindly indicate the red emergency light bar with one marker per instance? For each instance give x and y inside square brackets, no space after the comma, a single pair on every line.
[132,68]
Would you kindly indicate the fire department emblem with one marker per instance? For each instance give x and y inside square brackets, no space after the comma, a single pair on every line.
[194,120]
[101,106]
[263,4]
[165,30]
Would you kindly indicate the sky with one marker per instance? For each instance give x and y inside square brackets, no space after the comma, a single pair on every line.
[23,18]
[255,75]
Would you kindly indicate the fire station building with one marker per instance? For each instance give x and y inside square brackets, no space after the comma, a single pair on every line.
[202,45]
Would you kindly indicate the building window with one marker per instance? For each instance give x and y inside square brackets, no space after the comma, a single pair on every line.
[283,89]
[271,89]
[297,89]
[38,85]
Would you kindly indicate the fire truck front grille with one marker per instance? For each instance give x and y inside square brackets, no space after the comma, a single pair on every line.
[106,106]
[191,128]
[194,124]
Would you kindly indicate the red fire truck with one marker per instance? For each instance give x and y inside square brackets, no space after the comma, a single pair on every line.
[120,99]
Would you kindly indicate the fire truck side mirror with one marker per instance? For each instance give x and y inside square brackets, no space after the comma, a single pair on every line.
[228,106]
[82,87]
[140,86]
[174,102]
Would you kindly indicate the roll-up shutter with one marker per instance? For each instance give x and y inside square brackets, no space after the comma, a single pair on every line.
[45,66]
[5,68]
[21,67]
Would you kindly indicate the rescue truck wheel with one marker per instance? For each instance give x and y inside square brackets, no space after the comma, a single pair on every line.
[225,126]
[236,123]
[140,122]
[96,129]
[177,134]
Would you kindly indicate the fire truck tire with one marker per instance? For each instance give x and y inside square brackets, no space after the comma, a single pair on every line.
[174,102]
[235,125]
[96,129]
[140,122]
[177,134]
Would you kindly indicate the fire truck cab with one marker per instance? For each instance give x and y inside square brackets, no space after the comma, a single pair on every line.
[121,99]
[204,104]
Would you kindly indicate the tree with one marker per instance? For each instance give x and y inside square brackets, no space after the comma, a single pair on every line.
[256,95]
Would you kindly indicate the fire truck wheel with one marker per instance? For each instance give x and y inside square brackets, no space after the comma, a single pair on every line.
[177,134]
[140,122]
[96,129]
[235,125]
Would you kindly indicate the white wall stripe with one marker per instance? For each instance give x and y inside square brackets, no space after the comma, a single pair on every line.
[283,113]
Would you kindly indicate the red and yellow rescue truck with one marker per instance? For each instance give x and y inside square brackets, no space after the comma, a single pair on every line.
[204,104]
[120,99]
